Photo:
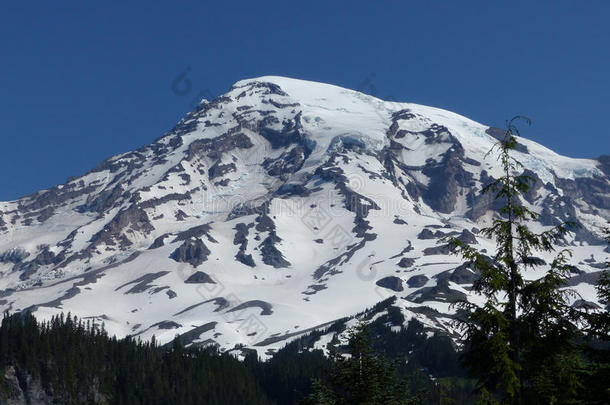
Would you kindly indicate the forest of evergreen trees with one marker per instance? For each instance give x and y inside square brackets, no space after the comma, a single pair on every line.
[526,344]
[75,362]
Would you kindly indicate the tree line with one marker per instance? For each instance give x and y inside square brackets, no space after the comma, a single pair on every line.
[76,362]
[525,343]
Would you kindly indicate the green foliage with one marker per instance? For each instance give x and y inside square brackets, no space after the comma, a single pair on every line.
[597,352]
[77,362]
[600,322]
[287,376]
[526,328]
[362,376]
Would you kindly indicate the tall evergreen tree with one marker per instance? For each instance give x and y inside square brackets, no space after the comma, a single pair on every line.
[598,345]
[525,328]
[362,377]
[600,321]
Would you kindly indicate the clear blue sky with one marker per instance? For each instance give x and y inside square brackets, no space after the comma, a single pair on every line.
[88,80]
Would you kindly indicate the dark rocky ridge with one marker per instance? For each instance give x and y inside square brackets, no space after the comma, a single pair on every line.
[199,277]
[192,251]
[391,282]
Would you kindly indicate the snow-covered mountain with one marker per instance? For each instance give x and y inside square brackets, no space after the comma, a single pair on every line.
[279,207]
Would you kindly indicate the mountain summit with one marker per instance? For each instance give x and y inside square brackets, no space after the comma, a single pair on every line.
[277,208]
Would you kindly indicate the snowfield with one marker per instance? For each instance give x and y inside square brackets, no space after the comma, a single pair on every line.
[278,208]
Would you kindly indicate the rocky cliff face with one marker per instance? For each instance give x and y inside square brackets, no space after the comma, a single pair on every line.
[277,207]
[23,389]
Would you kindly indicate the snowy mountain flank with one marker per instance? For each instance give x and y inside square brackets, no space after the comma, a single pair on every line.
[279,208]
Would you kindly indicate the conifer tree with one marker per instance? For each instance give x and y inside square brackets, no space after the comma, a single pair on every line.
[598,343]
[600,321]
[361,377]
[525,328]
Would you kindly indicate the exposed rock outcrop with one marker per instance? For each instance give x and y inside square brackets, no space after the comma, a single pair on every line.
[192,251]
